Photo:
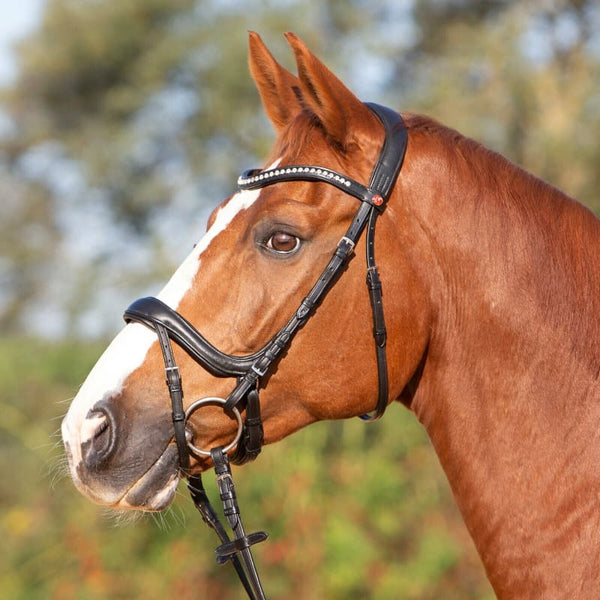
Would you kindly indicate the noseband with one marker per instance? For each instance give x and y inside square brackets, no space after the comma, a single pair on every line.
[249,370]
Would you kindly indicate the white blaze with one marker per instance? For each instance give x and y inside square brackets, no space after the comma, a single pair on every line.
[129,348]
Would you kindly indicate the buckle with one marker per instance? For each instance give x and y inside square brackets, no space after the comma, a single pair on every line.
[260,372]
[350,243]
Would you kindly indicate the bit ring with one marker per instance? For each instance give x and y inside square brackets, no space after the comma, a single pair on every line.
[211,401]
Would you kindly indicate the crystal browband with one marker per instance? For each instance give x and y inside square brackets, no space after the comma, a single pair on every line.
[250,177]
[255,178]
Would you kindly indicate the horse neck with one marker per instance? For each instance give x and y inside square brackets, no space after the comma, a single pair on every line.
[510,392]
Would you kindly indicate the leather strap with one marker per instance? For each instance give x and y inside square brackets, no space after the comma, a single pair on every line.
[392,154]
[173,381]
[210,517]
[242,542]
[379,331]
[383,179]
[152,311]
[255,179]
[252,434]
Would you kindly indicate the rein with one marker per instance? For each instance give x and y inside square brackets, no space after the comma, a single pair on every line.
[249,370]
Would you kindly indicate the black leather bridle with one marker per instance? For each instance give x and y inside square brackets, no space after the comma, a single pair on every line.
[249,370]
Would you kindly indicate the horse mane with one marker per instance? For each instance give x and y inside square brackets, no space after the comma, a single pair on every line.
[491,182]
[522,220]
[488,169]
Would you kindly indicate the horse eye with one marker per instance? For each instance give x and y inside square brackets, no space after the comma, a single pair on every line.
[283,243]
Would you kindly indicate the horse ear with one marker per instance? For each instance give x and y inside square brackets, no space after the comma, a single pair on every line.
[278,88]
[339,111]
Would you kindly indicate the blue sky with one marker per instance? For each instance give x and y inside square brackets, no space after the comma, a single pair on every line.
[17,18]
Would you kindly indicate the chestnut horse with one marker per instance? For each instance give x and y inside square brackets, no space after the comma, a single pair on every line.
[491,283]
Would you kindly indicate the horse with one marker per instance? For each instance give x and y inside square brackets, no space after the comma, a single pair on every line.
[491,293]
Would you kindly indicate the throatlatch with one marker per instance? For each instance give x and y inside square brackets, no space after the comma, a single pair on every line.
[249,370]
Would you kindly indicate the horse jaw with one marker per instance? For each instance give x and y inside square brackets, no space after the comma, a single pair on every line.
[87,422]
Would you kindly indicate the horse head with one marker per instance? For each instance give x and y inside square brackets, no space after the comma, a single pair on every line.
[263,251]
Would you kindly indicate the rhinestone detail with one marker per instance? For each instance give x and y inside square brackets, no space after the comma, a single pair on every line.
[319,171]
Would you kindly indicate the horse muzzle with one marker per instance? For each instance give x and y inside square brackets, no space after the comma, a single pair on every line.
[112,463]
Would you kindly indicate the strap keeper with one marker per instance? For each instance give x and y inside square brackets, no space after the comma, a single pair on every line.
[177,416]
[304,309]
[376,296]
[373,279]
[380,336]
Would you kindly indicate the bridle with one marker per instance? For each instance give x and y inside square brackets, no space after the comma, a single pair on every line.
[249,370]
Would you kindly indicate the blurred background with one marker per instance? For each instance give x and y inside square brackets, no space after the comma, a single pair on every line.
[122,124]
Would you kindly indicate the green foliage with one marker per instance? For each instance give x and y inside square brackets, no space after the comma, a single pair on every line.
[353,510]
[542,87]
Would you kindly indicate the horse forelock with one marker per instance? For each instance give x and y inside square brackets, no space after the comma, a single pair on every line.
[305,140]
[296,137]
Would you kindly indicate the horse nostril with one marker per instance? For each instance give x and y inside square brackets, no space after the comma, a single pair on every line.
[99,443]
[101,439]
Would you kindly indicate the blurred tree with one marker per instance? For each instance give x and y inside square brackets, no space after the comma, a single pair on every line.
[130,120]
[118,114]
[522,77]
[26,232]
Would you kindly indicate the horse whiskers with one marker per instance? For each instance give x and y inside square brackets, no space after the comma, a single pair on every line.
[176,512]
[172,516]
[57,469]
[65,401]
[56,464]
[57,418]
[122,517]
[57,434]
[164,520]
